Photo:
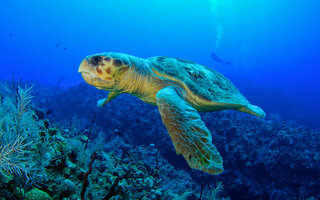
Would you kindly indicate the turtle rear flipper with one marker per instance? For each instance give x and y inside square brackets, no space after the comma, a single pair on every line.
[252,109]
[190,136]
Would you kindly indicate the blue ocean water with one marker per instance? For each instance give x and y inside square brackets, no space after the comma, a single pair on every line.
[272,45]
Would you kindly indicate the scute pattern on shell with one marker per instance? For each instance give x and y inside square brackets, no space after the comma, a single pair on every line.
[202,81]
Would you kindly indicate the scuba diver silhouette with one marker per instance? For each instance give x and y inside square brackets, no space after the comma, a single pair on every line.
[216,58]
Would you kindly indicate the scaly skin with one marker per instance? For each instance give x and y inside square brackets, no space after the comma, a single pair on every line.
[171,84]
[122,76]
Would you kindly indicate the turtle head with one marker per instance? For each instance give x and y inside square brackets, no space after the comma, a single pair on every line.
[104,71]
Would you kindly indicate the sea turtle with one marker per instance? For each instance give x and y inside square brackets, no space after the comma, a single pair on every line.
[180,88]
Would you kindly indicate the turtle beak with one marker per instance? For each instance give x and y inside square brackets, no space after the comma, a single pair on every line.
[84,66]
[87,71]
[89,74]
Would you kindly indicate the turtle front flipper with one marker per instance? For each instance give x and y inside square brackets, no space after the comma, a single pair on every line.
[190,136]
[110,97]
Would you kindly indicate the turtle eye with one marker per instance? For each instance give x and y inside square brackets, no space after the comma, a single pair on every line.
[95,60]
[107,58]
[117,62]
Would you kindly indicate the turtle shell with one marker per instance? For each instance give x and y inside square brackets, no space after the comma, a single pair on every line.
[202,81]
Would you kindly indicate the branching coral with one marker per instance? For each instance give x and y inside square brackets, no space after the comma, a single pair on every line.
[216,190]
[23,100]
[12,157]
[20,136]
[13,145]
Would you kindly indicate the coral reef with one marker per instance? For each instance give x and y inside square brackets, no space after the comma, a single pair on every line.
[36,194]
[135,159]
[265,158]
[59,162]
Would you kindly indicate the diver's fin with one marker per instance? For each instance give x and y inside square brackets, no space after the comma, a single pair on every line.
[110,97]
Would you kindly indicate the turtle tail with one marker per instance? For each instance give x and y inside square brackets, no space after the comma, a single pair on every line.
[252,109]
